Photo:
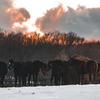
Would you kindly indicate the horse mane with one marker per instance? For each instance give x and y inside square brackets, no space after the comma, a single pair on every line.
[36,62]
[77,59]
[65,62]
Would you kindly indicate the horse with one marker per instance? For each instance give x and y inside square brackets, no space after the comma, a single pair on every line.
[59,70]
[33,68]
[84,67]
[19,71]
[3,71]
[56,71]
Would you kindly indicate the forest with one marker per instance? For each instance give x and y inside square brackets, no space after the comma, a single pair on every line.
[22,47]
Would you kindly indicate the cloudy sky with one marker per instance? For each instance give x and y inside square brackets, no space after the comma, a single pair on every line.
[81,17]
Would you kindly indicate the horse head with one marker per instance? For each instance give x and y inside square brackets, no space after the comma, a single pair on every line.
[70,62]
[10,64]
[50,63]
[44,69]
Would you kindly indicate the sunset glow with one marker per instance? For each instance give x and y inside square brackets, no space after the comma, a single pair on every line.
[45,16]
[38,8]
[41,33]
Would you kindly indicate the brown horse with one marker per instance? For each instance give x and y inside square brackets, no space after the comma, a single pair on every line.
[59,69]
[84,67]
[33,68]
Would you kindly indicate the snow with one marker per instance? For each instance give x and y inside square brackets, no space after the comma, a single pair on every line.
[66,92]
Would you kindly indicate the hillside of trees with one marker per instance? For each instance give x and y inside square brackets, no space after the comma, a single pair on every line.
[22,47]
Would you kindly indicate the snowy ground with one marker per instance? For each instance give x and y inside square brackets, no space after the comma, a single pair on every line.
[67,92]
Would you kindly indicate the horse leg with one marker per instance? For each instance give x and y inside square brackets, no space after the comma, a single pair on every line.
[59,80]
[15,81]
[29,79]
[65,80]
[24,81]
[62,80]
[19,81]
[34,79]
[94,77]
[82,78]
[90,77]
[55,80]
[51,79]
[79,78]
[2,79]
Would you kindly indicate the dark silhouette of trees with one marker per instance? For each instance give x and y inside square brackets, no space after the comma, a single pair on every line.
[22,47]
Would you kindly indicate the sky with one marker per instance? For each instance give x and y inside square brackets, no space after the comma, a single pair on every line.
[66,92]
[81,17]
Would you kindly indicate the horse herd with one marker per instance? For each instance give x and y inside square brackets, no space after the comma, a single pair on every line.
[58,68]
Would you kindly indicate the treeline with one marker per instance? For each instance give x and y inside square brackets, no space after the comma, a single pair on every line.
[21,47]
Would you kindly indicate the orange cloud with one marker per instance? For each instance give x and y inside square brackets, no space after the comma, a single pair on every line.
[50,18]
[10,15]
[18,15]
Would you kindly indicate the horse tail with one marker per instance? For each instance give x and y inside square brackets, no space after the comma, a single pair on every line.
[96,66]
[95,70]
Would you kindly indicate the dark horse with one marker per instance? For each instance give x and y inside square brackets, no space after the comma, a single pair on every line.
[56,67]
[84,67]
[59,69]
[33,68]
[19,71]
[3,71]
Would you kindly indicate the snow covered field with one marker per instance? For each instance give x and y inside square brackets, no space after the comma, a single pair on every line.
[67,92]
